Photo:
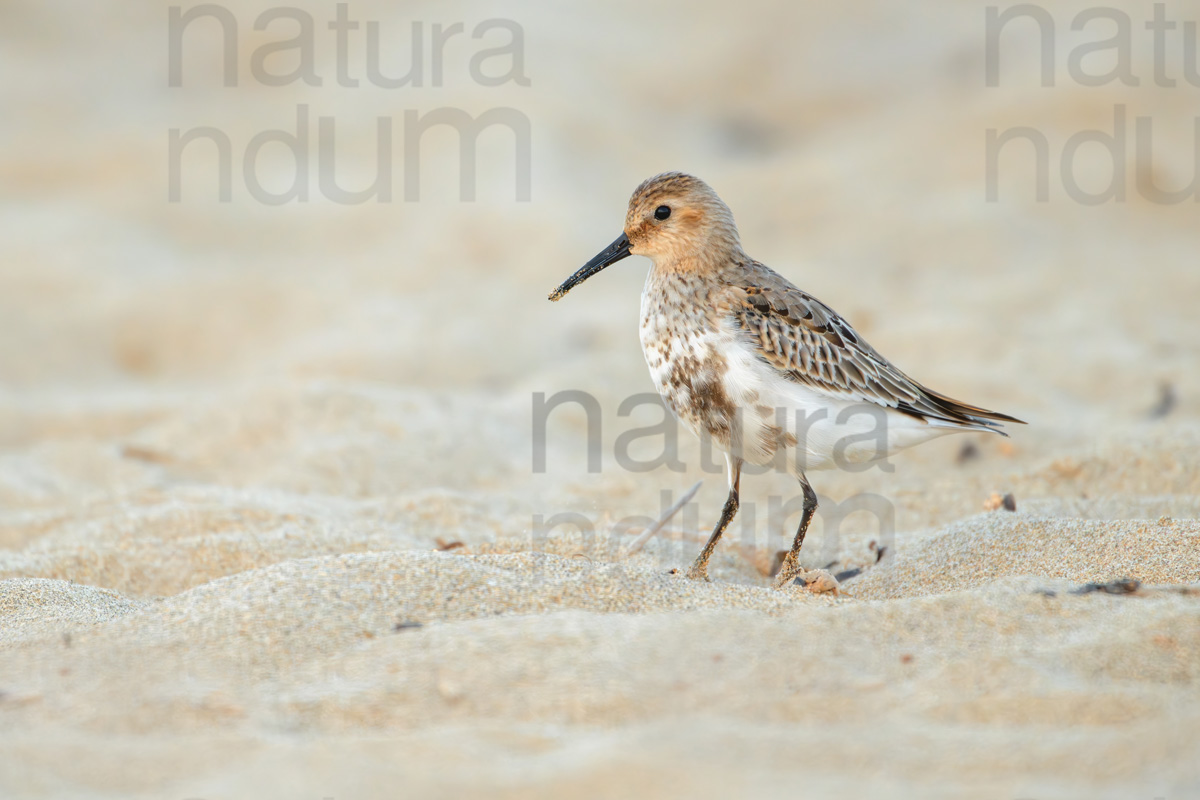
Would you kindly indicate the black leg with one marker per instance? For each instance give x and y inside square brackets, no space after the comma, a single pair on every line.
[791,563]
[699,570]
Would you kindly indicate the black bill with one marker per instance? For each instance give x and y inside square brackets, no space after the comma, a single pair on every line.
[609,255]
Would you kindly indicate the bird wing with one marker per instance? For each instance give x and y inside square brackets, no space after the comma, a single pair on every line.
[808,343]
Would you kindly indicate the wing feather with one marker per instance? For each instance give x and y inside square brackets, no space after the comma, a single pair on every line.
[809,343]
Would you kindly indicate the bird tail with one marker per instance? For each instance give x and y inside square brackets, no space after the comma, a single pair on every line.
[962,415]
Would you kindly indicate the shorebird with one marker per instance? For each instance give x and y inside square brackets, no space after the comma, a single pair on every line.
[770,372]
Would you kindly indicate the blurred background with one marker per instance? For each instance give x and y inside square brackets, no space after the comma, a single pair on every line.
[218,374]
[164,348]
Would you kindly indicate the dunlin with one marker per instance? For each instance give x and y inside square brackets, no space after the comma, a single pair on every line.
[772,374]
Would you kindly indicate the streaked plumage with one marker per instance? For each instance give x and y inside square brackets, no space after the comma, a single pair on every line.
[770,372]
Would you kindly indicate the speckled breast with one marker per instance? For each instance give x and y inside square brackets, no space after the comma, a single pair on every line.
[680,341]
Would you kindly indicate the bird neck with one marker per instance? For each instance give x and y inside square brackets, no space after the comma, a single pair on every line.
[705,263]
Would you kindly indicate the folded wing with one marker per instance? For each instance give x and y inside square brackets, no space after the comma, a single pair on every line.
[809,343]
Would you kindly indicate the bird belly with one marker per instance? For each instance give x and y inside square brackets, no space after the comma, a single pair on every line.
[689,374]
[711,377]
[800,428]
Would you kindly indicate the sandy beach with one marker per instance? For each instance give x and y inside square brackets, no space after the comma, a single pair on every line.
[277,505]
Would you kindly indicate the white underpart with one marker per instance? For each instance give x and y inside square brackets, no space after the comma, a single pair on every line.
[831,430]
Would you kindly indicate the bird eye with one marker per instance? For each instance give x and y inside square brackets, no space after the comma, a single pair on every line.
[662,212]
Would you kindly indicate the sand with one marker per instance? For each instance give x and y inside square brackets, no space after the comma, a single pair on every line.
[268,497]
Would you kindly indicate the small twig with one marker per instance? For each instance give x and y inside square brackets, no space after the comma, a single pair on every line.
[1120,586]
[640,542]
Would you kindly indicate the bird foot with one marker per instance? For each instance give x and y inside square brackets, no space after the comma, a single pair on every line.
[788,571]
[784,579]
[816,581]
[698,572]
